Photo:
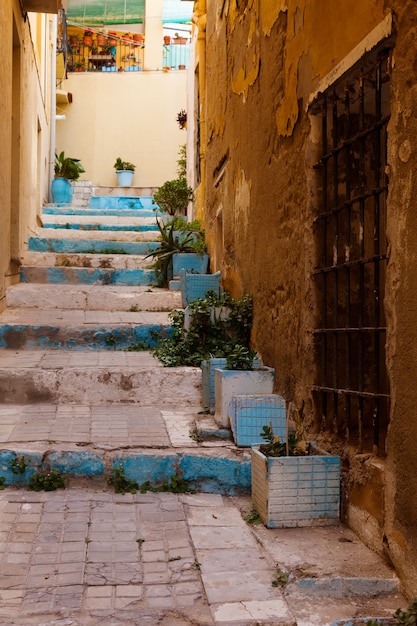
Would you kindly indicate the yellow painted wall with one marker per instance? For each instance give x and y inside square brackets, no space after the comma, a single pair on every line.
[131,115]
[24,132]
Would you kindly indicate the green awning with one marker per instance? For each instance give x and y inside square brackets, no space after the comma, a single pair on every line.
[105,12]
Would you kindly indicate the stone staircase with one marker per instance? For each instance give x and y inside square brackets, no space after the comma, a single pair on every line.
[75,345]
[78,395]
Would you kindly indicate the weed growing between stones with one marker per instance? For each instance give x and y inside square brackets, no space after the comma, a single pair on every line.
[175,484]
[2,483]
[252,518]
[121,483]
[280,578]
[48,481]
[406,616]
[18,465]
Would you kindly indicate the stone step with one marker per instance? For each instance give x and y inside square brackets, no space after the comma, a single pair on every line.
[116,261]
[86,242]
[92,297]
[115,212]
[31,329]
[122,202]
[67,224]
[87,276]
[96,378]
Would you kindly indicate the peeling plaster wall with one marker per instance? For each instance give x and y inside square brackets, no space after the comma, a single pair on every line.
[265,61]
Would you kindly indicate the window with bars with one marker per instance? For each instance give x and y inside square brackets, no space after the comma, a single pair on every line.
[351,392]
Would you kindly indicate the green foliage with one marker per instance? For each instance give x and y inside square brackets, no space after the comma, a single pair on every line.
[240,358]
[173,196]
[67,167]
[171,243]
[176,484]
[280,578]
[123,165]
[2,483]
[409,615]
[18,465]
[182,161]
[49,481]
[275,447]
[121,483]
[253,518]
[211,334]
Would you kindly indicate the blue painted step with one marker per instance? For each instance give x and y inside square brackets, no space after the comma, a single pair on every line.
[58,210]
[86,276]
[120,337]
[117,227]
[203,473]
[121,202]
[90,246]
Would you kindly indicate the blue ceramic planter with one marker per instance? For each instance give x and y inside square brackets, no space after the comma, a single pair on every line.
[62,191]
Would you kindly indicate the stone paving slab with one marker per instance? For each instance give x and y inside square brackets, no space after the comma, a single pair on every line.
[96,556]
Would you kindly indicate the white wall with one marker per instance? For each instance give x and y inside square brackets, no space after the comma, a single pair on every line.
[126,114]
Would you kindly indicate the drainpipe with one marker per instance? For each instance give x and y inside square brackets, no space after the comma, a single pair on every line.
[54,32]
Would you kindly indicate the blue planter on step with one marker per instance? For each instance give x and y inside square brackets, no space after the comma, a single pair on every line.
[124,178]
[62,191]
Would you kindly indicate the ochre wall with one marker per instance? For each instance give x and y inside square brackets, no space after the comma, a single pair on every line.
[24,133]
[131,115]
[265,62]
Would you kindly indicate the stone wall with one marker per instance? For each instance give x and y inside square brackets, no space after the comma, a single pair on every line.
[264,65]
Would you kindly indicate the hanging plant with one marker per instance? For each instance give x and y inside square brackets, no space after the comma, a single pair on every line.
[182,119]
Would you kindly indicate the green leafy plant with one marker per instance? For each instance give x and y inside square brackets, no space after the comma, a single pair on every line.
[173,196]
[240,358]
[280,578]
[275,447]
[48,481]
[2,483]
[171,243]
[175,484]
[120,482]
[67,167]
[182,160]
[209,334]
[409,615]
[18,465]
[123,165]
[252,518]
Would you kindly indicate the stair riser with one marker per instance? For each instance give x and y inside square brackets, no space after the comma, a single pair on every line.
[153,386]
[26,337]
[104,227]
[90,246]
[210,475]
[86,276]
[122,212]
[53,298]
[103,261]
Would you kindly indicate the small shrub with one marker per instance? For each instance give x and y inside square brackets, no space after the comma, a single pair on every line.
[121,483]
[49,481]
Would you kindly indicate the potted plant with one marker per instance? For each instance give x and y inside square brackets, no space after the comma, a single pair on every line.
[167,40]
[179,40]
[88,38]
[173,196]
[174,242]
[241,375]
[124,172]
[294,484]
[182,115]
[66,169]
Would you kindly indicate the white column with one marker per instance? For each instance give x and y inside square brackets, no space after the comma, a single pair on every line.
[153,34]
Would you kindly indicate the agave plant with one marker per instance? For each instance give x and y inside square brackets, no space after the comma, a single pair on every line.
[171,242]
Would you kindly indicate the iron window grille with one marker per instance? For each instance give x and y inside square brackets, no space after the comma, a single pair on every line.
[352,392]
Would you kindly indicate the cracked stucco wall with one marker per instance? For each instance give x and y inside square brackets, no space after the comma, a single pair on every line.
[264,63]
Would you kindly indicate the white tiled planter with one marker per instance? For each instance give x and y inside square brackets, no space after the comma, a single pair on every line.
[229,383]
[207,374]
[250,413]
[296,490]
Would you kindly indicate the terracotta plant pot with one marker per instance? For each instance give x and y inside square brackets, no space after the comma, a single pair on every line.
[167,40]
[88,41]
[101,40]
[138,38]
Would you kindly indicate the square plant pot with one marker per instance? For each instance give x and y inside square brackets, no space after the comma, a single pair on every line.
[249,413]
[195,286]
[190,261]
[292,491]
[207,377]
[229,383]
